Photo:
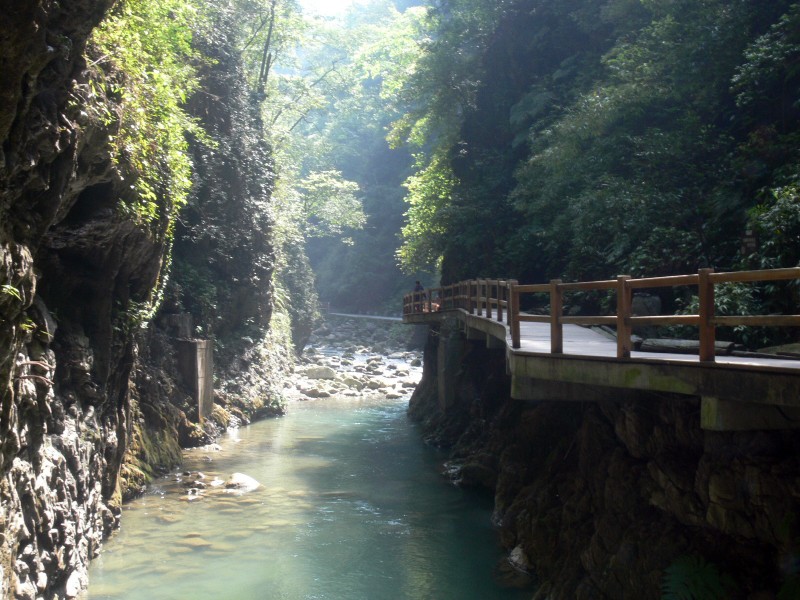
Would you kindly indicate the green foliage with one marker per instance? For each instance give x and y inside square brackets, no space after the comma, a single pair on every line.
[294,284]
[640,145]
[269,32]
[694,578]
[436,84]
[731,299]
[772,65]
[224,255]
[327,120]
[429,195]
[145,71]
[330,203]
[777,225]
[10,290]
[440,79]
[642,140]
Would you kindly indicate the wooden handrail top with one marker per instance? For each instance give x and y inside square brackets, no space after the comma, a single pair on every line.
[665,320]
[766,275]
[534,318]
[582,286]
[588,320]
[759,320]
[535,288]
[671,281]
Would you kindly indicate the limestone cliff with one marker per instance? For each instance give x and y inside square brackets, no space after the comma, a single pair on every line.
[612,499]
[83,389]
[69,262]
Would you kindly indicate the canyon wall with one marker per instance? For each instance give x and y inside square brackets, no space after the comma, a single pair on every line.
[90,402]
[68,262]
[616,499]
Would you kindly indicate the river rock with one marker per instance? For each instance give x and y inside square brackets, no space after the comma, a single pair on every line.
[75,584]
[519,560]
[645,305]
[352,382]
[320,372]
[242,483]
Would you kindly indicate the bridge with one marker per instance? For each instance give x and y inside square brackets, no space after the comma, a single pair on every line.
[553,356]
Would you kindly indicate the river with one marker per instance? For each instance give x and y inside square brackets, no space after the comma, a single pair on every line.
[351,506]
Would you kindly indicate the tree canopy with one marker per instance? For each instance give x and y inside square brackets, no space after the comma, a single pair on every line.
[524,138]
[587,138]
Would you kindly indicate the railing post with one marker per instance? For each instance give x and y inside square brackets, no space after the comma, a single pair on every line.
[556,310]
[708,334]
[500,299]
[501,289]
[509,286]
[472,307]
[513,315]
[623,317]
[489,298]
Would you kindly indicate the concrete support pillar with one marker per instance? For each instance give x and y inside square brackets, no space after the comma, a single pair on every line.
[196,366]
[450,353]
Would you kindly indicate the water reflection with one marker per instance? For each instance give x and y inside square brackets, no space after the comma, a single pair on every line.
[351,506]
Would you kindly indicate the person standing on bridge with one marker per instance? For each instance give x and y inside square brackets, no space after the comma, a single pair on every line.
[419,297]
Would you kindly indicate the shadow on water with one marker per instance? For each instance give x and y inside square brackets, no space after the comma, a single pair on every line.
[352,506]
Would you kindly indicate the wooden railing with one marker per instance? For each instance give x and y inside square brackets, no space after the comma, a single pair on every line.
[500,300]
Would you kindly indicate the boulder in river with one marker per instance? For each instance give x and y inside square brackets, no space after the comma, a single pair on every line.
[320,372]
[242,483]
[352,382]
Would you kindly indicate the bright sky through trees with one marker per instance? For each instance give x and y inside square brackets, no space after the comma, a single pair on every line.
[325,7]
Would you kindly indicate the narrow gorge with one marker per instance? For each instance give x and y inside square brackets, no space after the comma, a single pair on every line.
[188,186]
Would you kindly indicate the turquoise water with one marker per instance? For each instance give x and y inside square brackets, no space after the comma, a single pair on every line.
[351,506]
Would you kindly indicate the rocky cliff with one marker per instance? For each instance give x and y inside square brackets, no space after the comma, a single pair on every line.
[70,265]
[617,499]
[89,403]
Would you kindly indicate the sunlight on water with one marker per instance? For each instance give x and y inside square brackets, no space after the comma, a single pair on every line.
[351,507]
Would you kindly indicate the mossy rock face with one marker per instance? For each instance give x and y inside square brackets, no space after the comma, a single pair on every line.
[191,435]
[220,416]
[153,448]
